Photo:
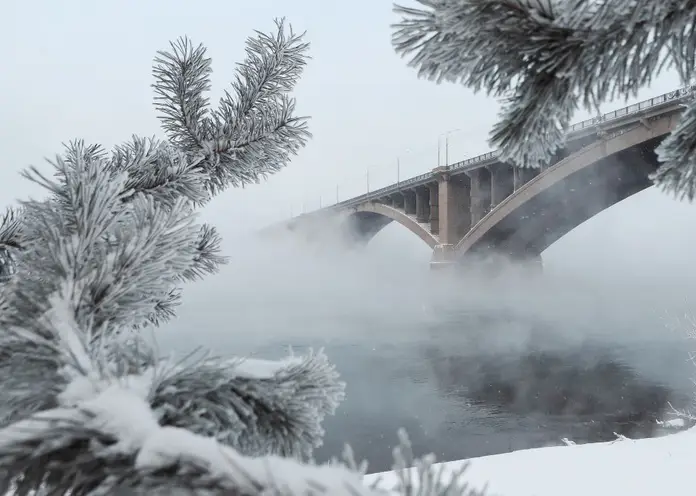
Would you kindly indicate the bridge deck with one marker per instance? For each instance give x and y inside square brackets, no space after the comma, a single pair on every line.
[608,122]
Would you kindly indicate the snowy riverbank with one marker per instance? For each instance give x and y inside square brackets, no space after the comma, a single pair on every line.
[642,467]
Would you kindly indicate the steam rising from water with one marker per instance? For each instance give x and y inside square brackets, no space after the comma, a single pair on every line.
[469,366]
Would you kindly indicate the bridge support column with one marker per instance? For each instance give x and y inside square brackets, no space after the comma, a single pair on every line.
[523,175]
[422,204]
[502,183]
[454,194]
[480,194]
[434,209]
[398,200]
[409,202]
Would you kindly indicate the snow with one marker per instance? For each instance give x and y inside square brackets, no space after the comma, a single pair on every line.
[27,429]
[171,445]
[61,318]
[637,467]
[672,423]
[125,415]
[120,408]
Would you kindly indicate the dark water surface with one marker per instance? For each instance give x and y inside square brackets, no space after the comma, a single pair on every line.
[458,401]
[470,367]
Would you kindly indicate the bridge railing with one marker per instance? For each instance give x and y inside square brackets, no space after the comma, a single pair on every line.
[476,162]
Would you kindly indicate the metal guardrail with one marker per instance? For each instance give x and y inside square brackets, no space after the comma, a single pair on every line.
[478,161]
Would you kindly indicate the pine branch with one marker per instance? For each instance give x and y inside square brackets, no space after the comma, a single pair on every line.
[257,110]
[253,134]
[116,258]
[10,242]
[677,152]
[155,182]
[256,409]
[207,258]
[112,427]
[109,440]
[546,58]
[101,257]
[159,170]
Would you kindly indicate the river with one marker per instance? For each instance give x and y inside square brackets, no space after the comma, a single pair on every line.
[469,367]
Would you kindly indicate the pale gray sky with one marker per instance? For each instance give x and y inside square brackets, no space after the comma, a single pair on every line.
[81,69]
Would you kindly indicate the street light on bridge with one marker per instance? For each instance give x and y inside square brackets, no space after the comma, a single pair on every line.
[446,135]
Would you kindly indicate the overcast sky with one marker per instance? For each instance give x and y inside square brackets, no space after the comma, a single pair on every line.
[82,69]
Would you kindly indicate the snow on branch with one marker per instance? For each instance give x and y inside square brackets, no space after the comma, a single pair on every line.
[107,431]
[111,441]
[253,132]
[257,407]
[546,58]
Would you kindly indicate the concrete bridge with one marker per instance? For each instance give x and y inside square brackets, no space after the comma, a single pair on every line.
[482,206]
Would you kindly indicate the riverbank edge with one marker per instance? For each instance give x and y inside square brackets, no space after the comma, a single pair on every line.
[642,467]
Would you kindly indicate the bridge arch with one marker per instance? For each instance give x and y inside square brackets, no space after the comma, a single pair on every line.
[366,220]
[570,192]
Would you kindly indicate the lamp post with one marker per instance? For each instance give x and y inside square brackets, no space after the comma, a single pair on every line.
[398,173]
[446,136]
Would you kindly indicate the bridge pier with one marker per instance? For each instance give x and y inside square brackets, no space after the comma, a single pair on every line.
[502,182]
[409,202]
[454,200]
[480,194]
[422,204]
[522,175]
[398,200]
[434,209]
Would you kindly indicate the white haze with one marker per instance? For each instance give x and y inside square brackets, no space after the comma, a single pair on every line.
[402,335]
[70,72]
[638,270]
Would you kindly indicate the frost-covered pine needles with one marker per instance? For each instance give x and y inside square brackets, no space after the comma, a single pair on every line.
[546,58]
[105,254]
[88,405]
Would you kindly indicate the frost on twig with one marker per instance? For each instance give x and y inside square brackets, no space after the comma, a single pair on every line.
[278,410]
[546,58]
[253,133]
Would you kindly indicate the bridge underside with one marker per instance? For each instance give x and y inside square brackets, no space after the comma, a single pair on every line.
[552,213]
[360,227]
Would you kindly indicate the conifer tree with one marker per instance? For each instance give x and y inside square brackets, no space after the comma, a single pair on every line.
[546,58]
[88,405]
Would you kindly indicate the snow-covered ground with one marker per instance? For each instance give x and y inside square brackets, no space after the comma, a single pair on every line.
[646,467]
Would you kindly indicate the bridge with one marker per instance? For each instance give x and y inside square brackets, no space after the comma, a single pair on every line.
[482,206]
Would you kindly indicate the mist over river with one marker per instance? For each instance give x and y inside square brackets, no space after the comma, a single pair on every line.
[469,366]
